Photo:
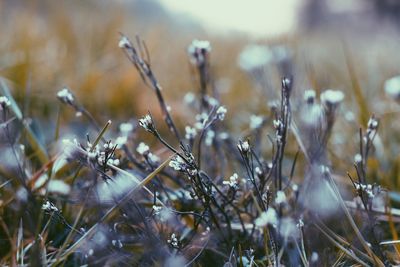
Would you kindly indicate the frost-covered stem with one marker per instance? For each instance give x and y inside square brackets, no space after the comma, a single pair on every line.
[282,131]
[203,75]
[147,75]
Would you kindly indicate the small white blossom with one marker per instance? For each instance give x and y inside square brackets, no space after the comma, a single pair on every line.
[177,164]
[190,132]
[280,197]
[65,96]
[209,137]
[121,140]
[300,224]
[153,158]
[254,56]
[221,111]
[223,136]
[201,120]
[277,124]
[244,147]
[157,209]
[198,51]
[309,96]
[147,123]
[173,241]
[142,149]
[358,158]
[269,217]
[392,87]
[372,124]
[256,121]
[124,42]
[117,243]
[331,98]
[126,127]
[233,181]
[4,102]
[189,98]
[49,207]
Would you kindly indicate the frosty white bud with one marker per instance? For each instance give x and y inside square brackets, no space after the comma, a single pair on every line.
[65,96]
[269,217]
[392,87]
[147,123]
[126,127]
[244,147]
[177,163]
[254,56]
[233,181]
[49,207]
[190,132]
[331,98]
[209,137]
[280,197]
[198,51]
[124,42]
[142,149]
[173,241]
[4,102]
[189,98]
[358,158]
[157,209]
[309,96]
[372,123]
[256,121]
[221,111]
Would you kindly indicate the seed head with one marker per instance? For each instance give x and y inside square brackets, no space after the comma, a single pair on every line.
[4,102]
[65,96]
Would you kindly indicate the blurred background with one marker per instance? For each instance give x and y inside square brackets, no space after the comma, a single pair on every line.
[46,45]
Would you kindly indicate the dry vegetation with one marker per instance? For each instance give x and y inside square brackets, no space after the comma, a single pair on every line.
[235,161]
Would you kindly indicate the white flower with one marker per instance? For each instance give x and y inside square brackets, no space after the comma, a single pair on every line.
[267,217]
[142,149]
[4,102]
[243,147]
[173,241]
[309,96]
[201,120]
[49,207]
[331,97]
[189,98]
[392,87]
[357,158]
[254,56]
[190,132]
[256,121]
[177,163]
[277,124]
[221,111]
[280,197]
[209,137]
[124,42]
[147,123]
[157,209]
[372,124]
[198,51]
[65,96]
[153,158]
[126,127]
[233,181]
[121,140]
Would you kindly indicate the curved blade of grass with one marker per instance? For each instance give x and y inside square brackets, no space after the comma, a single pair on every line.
[30,135]
[342,248]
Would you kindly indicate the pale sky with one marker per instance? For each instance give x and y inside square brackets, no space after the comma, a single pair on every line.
[258,17]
